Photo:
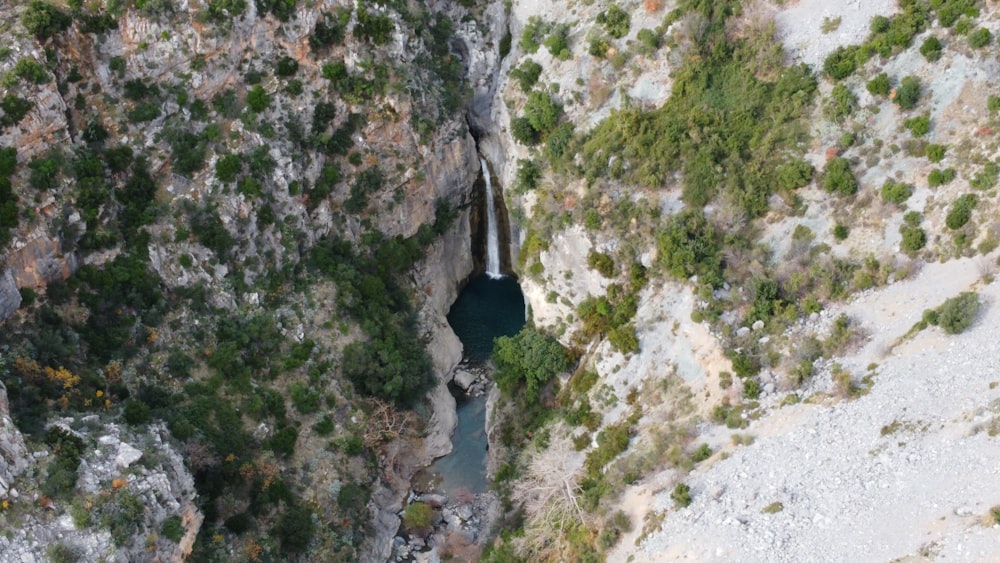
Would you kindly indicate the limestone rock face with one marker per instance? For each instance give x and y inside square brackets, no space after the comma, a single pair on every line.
[36,264]
[14,456]
[116,461]
[10,297]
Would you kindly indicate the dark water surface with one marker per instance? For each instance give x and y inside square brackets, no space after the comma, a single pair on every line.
[487,308]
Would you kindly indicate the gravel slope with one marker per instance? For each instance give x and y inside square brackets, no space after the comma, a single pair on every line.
[906,470]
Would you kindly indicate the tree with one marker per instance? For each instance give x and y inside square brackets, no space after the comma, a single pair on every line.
[839,178]
[44,20]
[689,245]
[908,92]
[961,211]
[258,99]
[931,49]
[227,167]
[957,314]
[542,111]
[879,86]
[14,109]
[528,358]
[295,529]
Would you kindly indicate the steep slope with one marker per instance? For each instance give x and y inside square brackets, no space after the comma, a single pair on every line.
[714,260]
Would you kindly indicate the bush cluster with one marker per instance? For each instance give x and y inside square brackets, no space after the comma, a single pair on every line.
[961,211]
[838,177]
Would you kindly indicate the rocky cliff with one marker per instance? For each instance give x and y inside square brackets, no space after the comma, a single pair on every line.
[336,122]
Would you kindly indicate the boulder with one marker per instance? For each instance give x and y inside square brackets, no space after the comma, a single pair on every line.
[464,379]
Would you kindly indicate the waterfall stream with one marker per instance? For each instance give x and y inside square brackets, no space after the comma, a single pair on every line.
[492,237]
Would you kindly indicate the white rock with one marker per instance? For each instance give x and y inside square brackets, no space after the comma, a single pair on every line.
[127,455]
[464,379]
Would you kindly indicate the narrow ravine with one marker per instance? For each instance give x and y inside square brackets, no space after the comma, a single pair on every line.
[454,490]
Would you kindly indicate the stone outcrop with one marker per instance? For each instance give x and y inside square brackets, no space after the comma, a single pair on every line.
[143,464]
[14,457]
[36,264]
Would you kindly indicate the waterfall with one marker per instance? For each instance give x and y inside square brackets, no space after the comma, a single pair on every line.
[492,237]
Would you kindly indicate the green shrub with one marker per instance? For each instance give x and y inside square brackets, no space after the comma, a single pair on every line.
[28,69]
[304,397]
[650,40]
[914,239]
[938,177]
[14,109]
[838,177]
[258,99]
[841,104]
[528,174]
[172,529]
[840,231]
[376,29]
[295,529]
[794,175]
[529,359]
[896,192]
[598,46]
[228,167]
[701,454]
[879,86]
[690,245]
[993,104]
[44,173]
[62,553]
[961,211]
[122,515]
[223,11]
[137,412]
[526,74]
[773,508]
[541,115]
[602,263]
[558,42]
[282,9]
[987,177]
[931,48]
[949,11]
[624,339]
[980,38]
[283,441]
[325,426]
[330,29]
[534,32]
[418,518]
[611,442]
[908,93]
[616,21]
[841,63]
[958,313]
[918,126]
[286,66]
[963,26]
[935,153]
[43,20]
[681,495]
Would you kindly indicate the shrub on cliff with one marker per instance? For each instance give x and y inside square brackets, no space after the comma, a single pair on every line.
[958,313]
[418,518]
[961,211]
[908,92]
[530,359]
[43,20]
[838,177]
[931,48]
[295,529]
